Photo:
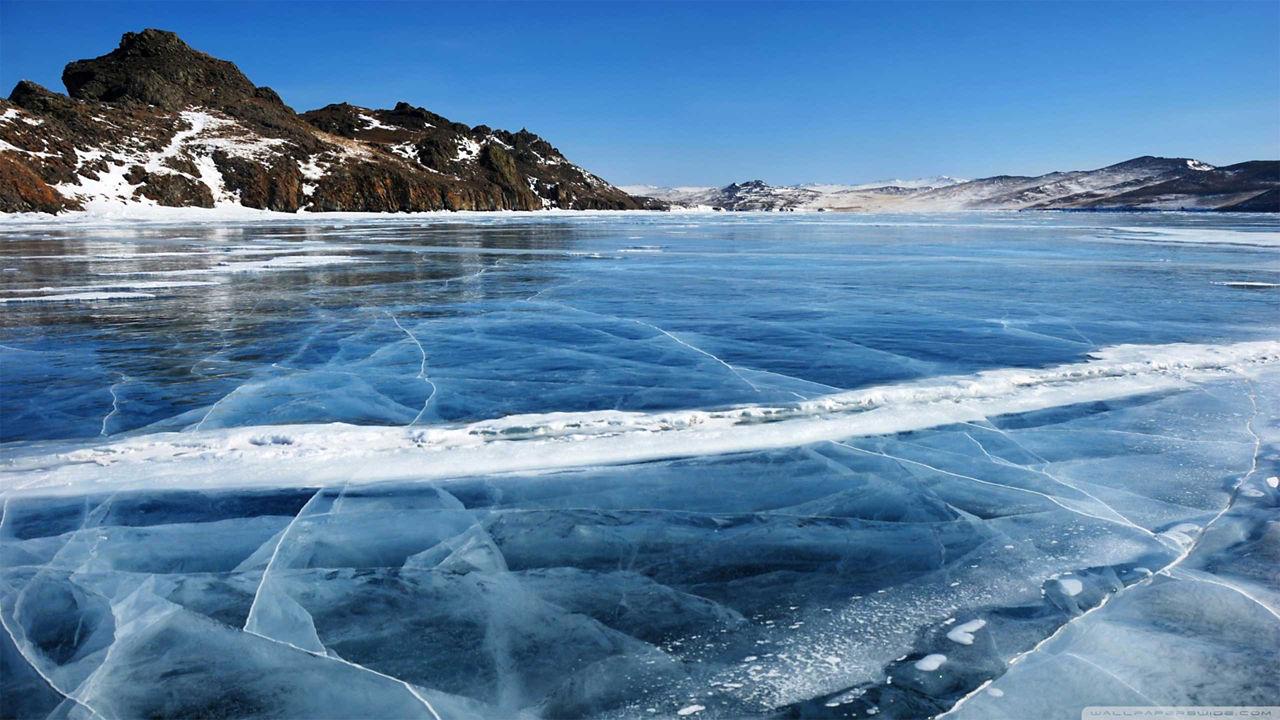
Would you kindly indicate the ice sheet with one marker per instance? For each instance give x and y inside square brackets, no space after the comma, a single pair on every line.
[494,466]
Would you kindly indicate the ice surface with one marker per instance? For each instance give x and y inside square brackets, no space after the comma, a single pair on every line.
[494,466]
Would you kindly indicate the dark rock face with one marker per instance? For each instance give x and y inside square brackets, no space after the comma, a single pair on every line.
[169,189]
[275,184]
[505,171]
[156,121]
[155,67]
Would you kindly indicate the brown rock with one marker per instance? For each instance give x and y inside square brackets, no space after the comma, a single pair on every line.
[274,184]
[21,190]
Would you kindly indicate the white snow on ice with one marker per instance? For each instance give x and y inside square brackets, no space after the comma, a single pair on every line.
[963,634]
[319,453]
[929,663]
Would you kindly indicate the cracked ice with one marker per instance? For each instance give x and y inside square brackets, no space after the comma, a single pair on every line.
[499,466]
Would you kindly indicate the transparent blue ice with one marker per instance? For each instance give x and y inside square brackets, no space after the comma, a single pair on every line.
[1117,551]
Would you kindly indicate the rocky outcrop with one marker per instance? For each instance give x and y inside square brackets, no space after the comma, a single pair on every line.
[157,68]
[519,171]
[158,122]
[24,191]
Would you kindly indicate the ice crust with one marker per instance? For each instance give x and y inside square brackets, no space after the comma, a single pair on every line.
[550,498]
[603,591]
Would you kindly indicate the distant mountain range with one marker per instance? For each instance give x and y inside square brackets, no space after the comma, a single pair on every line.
[1145,183]
[156,122]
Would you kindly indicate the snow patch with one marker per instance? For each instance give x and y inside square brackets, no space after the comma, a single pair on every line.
[373,123]
[140,285]
[929,663]
[79,297]
[6,147]
[1245,284]
[575,439]
[468,150]
[963,634]
[274,264]
[311,171]
[1071,586]
[494,139]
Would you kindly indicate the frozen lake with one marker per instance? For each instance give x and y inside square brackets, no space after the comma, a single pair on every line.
[579,465]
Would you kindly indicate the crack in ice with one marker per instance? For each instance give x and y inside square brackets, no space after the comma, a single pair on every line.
[1112,675]
[1235,491]
[534,297]
[1185,574]
[1166,571]
[48,681]
[422,368]
[215,405]
[284,534]
[1042,471]
[731,368]
[1046,496]
[115,402]
[357,666]
[4,516]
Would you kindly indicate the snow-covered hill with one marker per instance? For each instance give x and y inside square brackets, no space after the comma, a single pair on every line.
[156,122]
[1141,183]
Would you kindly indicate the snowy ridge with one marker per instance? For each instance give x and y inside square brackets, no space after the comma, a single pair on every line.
[758,195]
[1153,183]
[305,455]
[816,194]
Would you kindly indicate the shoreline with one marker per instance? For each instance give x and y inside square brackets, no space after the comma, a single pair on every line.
[149,214]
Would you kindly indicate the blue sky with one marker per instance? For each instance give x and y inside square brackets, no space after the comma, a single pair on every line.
[708,93]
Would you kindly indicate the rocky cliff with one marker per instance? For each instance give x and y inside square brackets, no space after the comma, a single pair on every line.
[157,122]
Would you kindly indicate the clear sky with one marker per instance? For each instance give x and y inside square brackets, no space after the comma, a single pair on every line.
[708,93]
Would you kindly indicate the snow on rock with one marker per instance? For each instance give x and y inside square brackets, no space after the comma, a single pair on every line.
[497,141]
[373,123]
[6,147]
[468,150]
[406,150]
[213,132]
[311,173]
[202,133]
